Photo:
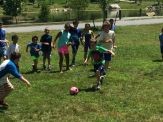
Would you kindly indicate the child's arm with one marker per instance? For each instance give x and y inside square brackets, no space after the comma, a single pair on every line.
[27,48]
[54,41]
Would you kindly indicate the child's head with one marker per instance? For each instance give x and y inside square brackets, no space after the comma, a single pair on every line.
[75,23]
[111,21]
[34,39]
[14,38]
[46,30]
[106,26]
[87,26]
[93,43]
[162,30]
[67,26]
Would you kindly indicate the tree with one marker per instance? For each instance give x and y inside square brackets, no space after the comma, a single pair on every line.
[103,5]
[78,5]
[12,8]
[44,12]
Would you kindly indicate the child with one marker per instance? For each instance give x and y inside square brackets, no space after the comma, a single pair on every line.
[75,36]
[161,42]
[62,45]
[3,43]
[107,40]
[87,34]
[34,51]
[112,25]
[96,53]
[13,47]
[9,67]
[46,47]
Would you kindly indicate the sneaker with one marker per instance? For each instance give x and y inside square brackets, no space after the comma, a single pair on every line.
[44,67]
[101,79]
[3,104]
[98,87]
[49,67]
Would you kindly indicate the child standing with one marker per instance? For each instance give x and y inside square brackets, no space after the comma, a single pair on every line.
[87,34]
[75,36]
[34,51]
[46,41]
[62,45]
[14,46]
[161,42]
[3,43]
[107,40]
[96,53]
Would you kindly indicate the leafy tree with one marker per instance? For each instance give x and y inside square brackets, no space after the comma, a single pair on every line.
[44,12]
[104,6]
[32,1]
[12,8]
[78,5]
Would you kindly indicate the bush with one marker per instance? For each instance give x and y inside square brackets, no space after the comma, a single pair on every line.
[7,19]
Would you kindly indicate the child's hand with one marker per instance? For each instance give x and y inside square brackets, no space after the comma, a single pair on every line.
[108,40]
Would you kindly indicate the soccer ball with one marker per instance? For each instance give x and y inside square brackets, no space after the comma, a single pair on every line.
[74,90]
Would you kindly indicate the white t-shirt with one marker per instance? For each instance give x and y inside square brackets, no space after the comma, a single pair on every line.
[13,48]
[106,36]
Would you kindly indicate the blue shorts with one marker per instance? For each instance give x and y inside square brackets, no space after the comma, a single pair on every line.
[100,67]
[86,47]
[75,46]
[107,56]
[161,49]
[3,51]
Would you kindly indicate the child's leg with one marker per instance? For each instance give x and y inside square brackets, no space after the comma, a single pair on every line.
[49,60]
[60,62]
[35,61]
[44,60]
[67,61]
[74,52]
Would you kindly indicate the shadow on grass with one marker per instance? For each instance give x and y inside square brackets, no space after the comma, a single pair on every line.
[158,60]
[89,89]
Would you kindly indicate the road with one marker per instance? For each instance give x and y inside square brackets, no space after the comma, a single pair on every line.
[122,22]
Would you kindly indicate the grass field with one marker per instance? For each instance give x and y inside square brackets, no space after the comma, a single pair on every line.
[132,90]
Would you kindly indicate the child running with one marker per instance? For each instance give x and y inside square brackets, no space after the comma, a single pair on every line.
[96,53]
[87,34]
[75,36]
[62,45]
[107,40]
[34,51]
[46,46]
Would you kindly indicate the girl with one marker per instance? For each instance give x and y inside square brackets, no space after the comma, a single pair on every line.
[62,45]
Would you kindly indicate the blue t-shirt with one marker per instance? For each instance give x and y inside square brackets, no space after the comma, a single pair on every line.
[2,37]
[161,39]
[33,47]
[46,39]
[8,66]
[75,34]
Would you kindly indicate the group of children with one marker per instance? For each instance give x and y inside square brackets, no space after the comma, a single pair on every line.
[70,36]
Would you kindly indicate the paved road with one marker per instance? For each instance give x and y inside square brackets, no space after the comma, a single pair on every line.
[123,22]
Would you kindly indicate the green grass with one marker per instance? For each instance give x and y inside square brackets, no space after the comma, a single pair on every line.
[132,91]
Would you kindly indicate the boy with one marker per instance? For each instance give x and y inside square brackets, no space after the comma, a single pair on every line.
[3,43]
[75,38]
[46,47]
[96,52]
[9,67]
[34,51]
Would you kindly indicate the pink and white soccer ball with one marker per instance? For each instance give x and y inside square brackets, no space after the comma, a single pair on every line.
[74,90]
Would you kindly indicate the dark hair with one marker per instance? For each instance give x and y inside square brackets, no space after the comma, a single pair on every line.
[15,56]
[34,37]
[14,37]
[76,22]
